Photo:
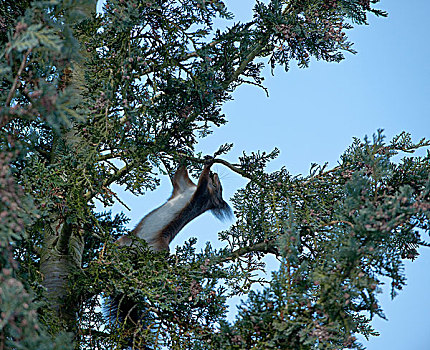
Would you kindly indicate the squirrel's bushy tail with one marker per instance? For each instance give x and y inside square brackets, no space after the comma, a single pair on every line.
[122,312]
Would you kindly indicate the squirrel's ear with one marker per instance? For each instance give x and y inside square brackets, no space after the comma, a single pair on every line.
[181,181]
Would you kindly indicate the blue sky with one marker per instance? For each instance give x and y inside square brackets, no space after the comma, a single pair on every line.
[312,115]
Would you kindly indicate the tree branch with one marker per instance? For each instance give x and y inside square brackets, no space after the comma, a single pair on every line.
[234,168]
[116,176]
[245,62]
[5,119]
[324,173]
[18,75]
[268,247]
[62,244]
[109,156]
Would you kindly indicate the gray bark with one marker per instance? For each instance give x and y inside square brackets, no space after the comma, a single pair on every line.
[60,257]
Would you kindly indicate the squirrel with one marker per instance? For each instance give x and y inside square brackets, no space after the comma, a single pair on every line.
[188,201]
[160,226]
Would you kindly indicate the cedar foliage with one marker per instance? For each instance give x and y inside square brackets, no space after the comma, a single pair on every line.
[89,100]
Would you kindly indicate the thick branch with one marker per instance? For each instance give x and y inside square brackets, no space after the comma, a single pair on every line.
[64,238]
[244,63]
[116,176]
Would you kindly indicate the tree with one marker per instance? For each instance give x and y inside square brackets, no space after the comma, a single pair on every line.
[91,100]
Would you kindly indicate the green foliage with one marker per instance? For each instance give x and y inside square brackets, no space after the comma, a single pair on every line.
[90,100]
[20,327]
[178,294]
[19,324]
[337,233]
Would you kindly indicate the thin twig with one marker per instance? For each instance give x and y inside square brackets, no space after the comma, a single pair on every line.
[15,82]
[5,118]
[233,167]
[321,175]
[263,247]
[119,200]
[219,161]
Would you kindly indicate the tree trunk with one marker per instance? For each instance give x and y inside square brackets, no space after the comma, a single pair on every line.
[63,246]
[61,256]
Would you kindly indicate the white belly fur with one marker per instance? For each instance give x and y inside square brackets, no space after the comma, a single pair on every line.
[158,219]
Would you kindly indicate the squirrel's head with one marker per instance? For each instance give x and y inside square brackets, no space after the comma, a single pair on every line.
[219,207]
